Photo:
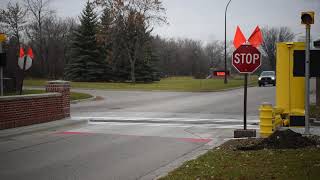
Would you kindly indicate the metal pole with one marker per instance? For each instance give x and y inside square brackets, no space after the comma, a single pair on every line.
[23,71]
[1,72]
[245,101]
[225,43]
[307,81]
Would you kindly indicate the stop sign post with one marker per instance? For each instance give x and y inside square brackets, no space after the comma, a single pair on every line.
[246,59]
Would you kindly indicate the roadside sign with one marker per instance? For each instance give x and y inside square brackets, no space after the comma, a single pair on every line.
[28,62]
[3,37]
[25,63]
[246,59]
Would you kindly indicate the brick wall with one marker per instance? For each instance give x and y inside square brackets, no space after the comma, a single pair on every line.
[16,111]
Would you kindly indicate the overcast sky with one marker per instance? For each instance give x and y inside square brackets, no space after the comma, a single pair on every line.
[204,19]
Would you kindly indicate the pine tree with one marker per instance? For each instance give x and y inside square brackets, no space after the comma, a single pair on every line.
[86,63]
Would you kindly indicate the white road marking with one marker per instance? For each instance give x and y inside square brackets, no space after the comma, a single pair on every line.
[151,119]
[168,125]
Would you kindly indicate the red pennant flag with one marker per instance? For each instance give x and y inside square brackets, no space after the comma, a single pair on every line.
[30,53]
[21,54]
[256,39]
[239,38]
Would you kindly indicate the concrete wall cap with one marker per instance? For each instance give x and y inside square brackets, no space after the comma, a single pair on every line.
[58,82]
[29,96]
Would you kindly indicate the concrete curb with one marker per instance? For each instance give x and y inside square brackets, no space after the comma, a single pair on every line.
[93,98]
[84,100]
[7,133]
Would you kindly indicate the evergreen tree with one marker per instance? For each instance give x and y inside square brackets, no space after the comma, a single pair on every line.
[86,63]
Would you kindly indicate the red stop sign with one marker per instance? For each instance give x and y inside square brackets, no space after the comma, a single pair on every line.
[246,59]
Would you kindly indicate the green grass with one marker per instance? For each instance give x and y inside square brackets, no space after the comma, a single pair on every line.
[262,164]
[73,96]
[169,84]
[314,111]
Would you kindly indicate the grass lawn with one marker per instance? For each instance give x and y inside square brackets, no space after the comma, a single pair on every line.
[260,164]
[74,95]
[314,111]
[168,84]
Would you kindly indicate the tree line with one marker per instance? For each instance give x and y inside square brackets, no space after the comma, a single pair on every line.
[114,45]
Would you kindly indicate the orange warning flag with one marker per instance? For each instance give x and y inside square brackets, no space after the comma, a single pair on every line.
[30,53]
[21,54]
[256,39]
[239,38]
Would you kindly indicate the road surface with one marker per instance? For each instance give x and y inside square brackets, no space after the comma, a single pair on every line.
[130,135]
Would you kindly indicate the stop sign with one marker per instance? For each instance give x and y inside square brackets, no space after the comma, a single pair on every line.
[246,59]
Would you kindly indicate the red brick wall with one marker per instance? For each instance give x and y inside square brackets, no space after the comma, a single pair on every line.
[17,111]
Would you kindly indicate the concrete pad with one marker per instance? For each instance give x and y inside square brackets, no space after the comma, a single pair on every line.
[241,133]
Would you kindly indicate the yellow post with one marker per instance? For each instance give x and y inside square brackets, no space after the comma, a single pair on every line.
[266,120]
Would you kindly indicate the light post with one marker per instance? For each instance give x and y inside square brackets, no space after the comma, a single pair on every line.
[225,43]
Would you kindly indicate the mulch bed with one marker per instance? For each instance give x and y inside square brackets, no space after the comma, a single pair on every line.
[282,139]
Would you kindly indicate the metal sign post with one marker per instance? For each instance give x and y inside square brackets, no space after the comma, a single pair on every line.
[23,73]
[245,101]
[307,80]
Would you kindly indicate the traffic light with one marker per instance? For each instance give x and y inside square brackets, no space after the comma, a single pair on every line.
[307,18]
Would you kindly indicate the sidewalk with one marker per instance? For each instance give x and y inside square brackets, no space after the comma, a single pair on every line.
[60,124]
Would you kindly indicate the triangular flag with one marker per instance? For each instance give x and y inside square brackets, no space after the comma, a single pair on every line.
[256,39]
[239,38]
[21,53]
[30,53]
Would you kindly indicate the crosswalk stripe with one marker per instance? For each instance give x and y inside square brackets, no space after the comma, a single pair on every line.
[151,119]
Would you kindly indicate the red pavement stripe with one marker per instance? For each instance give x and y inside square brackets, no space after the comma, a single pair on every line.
[195,140]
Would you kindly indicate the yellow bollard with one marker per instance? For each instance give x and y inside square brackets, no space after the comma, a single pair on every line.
[266,120]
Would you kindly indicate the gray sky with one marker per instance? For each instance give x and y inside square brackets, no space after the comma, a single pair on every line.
[204,19]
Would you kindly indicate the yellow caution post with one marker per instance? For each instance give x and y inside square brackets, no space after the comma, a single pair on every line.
[266,120]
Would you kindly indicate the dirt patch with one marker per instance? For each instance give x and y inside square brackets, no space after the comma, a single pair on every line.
[284,139]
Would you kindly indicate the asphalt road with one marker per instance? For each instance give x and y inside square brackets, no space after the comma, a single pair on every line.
[130,135]
[171,104]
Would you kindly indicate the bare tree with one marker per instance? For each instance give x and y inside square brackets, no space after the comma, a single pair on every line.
[13,20]
[271,37]
[215,52]
[56,33]
[39,11]
[138,17]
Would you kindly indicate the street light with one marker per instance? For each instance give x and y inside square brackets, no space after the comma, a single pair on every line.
[225,43]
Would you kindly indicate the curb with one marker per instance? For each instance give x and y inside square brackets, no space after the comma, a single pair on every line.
[7,133]
[84,100]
